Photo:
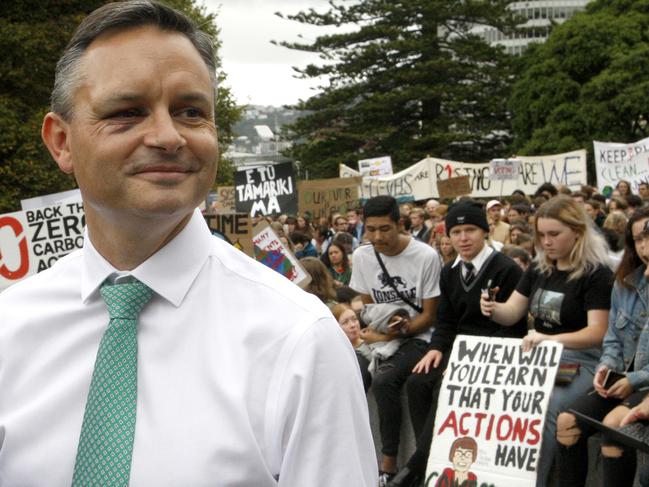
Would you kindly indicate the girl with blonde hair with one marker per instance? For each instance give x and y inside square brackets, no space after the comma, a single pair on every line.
[568,293]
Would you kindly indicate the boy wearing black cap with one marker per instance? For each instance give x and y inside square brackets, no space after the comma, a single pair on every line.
[477,267]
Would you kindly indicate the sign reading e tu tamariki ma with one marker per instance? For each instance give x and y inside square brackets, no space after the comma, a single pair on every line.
[32,240]
[266,190]
[491,411]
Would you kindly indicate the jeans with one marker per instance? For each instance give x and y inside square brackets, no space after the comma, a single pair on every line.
[560,400]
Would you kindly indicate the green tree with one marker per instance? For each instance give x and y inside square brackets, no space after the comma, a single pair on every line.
[32,37]
[405,79]
[589,81]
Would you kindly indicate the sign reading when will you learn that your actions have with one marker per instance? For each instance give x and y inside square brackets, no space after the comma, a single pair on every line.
[490,413]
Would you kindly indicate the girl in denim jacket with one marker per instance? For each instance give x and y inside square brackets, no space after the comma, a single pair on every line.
[625,350]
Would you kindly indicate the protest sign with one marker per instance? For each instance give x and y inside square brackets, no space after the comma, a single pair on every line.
[491,412]
[61,198]
[378,166]
[615,162]
[234,228]
[32,240]
[504,169]
[266,190]
[270,251]
[221,201]
[452,187]
[419,181]
[323,197]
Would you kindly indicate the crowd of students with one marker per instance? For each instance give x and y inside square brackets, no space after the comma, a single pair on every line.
[567,266]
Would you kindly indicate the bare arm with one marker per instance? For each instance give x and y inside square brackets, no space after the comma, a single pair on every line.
[507,313]
[589,336]
[425,319]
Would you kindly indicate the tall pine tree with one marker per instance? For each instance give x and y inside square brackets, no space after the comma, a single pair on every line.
[406,78]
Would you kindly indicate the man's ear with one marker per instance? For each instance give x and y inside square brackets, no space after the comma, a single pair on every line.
[56,136]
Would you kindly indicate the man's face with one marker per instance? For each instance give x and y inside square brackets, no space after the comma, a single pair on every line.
[430,208]
[416,220]
[352,217]
[383,233]
[643,190]
[141,141]
[467,240]
[341,224]
[494,213]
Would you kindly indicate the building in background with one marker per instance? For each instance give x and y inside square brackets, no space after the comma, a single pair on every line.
[540,15]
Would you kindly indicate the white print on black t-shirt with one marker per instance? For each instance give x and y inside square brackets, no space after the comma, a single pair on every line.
[546,306]
[387,294]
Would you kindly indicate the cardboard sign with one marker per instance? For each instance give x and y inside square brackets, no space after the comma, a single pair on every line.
[323,197]
[266,190]
[234,228]
[491,411]
[450,188]
[419,181]
[270,251]
[32,240]
[504,169]
[615,162]
[222,201]
[378,166]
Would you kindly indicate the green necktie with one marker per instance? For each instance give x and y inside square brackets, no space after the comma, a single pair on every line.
[106,441]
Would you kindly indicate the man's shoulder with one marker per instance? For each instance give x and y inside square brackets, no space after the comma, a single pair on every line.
[419,250]
[63,276]
[238,270]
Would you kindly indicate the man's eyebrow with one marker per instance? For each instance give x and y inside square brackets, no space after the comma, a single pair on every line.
[133,97]
[195,96]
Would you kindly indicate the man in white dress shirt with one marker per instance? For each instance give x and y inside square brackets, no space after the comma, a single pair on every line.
[242,378]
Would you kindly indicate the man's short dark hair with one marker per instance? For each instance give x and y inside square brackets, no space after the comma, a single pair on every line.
[522,209]
[634,201]
[298,237]
[549,187]
[383,205]
[118,16]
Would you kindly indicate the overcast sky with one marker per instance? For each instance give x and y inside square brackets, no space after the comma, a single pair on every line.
[258,72]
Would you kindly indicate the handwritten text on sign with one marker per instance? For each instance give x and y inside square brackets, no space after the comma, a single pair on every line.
[493,402]
[266,190]
[419,181]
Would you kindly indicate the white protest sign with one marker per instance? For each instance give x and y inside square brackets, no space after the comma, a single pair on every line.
[32,240]
[491,412]
[270,251]
[615,162]
[378,166]
[419,181]
[504,169]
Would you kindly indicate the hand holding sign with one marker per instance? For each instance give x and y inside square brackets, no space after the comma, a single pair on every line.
[532,339]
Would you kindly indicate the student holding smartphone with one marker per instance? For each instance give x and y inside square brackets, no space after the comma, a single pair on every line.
[622,376]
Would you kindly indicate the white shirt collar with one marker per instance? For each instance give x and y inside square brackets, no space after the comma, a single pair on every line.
[479,259]
[169,272]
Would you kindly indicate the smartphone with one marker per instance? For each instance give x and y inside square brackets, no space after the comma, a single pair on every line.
[395,325]
[612,377]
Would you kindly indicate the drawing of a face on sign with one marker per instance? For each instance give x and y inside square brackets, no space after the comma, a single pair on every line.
[462,454]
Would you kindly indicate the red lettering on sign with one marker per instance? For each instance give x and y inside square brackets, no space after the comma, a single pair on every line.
[23,268]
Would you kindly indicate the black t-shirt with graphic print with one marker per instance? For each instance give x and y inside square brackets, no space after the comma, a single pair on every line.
[561,306]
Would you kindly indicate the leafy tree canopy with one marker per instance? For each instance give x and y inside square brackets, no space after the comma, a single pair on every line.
[32,36]
[589,81]
[404,78]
